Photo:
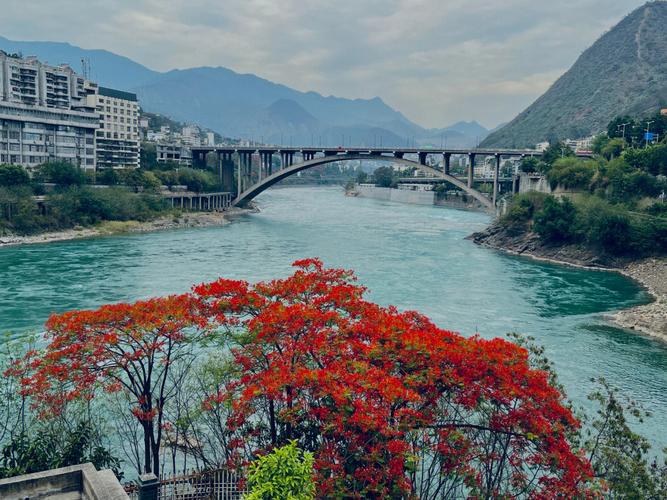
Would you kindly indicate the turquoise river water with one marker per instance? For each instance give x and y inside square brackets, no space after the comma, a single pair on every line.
[412,256]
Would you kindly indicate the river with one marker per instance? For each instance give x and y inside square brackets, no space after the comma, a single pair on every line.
[412,256]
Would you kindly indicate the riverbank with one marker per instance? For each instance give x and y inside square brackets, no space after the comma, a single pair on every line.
[651,273]
[184,220]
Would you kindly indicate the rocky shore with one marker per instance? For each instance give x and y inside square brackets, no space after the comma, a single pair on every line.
[185,220]
[651,273]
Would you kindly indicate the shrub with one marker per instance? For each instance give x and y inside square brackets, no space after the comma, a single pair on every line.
[572,173]
[285,473]
[556,221]
[60,172]
[523,208]
[13,175]
[605,226]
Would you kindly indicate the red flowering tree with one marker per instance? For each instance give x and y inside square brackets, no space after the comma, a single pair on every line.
[390,404]
[123,347]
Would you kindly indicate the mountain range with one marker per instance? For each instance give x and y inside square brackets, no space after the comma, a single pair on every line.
[623,73]
[247,106]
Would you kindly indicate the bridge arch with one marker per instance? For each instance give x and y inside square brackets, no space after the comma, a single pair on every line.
[256,189]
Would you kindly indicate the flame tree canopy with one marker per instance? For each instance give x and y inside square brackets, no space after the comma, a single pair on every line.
[389,404]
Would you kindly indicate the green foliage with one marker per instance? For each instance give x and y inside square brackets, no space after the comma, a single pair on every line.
[148,156]
[599,143]
[613,148]
[626,184]
[571,173]
[556,221]
[555,151]
[195,180]
[384,177]
[530,165]
[362,177]
[52,447]
[13,175]
[60,172]
[619,455]
[85,205]
[605,226]
[284,474]
[652,160]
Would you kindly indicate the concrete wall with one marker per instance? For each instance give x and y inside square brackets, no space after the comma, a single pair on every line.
[531,182]
[397,195]
[78,481]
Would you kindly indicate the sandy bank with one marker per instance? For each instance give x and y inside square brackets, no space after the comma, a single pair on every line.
[190,219]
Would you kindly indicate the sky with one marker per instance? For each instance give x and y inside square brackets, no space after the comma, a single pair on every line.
[436,61]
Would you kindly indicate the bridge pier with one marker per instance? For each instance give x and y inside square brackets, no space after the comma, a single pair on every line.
[199,160]
[266,163]
[422,158]
[447,161]
[471,168]
[496,175]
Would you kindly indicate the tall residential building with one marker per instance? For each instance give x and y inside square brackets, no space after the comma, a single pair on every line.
[118,135]
[45,114]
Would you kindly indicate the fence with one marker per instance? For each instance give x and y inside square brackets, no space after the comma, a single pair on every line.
[218,484]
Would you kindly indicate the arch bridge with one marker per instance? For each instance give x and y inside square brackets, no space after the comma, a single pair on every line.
[249,171]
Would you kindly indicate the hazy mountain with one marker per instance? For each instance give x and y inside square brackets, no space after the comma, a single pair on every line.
[107,68]
[247,106]
[624,72]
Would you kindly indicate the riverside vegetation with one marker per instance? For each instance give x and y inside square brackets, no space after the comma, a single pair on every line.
[74,198]
[382,403]
[614,205]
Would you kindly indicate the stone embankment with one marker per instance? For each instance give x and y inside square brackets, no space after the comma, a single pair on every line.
[651,273]
[185,220]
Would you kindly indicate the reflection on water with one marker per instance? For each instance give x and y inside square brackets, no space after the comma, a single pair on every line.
[412,256]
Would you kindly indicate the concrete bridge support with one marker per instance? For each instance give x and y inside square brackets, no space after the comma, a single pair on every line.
[447,161]
[471,168]
[226,170]
[496,176]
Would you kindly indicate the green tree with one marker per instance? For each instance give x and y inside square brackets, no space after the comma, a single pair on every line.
[572,173]
[618,454]
[555,151]
[148,156]
[384,176]
[613,148]
[620,126]
[284,474]
[599,143]
[556,221]
[60,172]
[55,446]
[13,175]
[530,164]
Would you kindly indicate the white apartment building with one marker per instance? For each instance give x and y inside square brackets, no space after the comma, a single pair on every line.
[118,133]
[45,114]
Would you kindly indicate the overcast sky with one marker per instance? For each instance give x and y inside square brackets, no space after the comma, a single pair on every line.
[437,61]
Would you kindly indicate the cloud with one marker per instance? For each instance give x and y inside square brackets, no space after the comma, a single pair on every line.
[436,61]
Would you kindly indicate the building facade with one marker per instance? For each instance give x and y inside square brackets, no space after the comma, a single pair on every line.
[176,153]
[118,133]
[45,114]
